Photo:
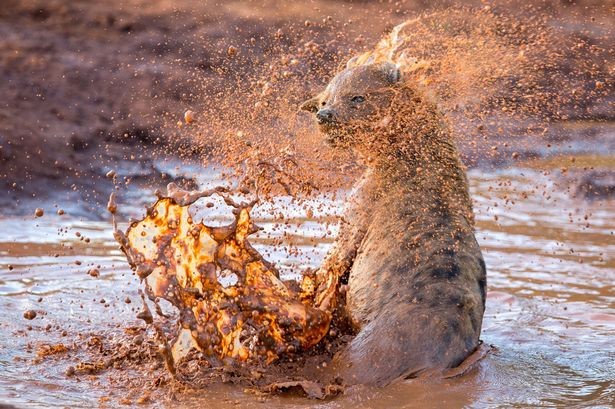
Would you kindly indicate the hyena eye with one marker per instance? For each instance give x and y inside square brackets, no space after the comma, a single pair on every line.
[358,99]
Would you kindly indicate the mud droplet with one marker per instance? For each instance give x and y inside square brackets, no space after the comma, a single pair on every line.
[145,314]
[145,398]
[189,116]
[29,315]
[94,272]
[111,205]
[39,212]
[111,174]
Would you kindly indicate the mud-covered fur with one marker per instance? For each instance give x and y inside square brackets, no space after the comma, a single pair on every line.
[416,277]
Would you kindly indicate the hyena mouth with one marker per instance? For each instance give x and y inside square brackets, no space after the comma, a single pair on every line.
[334,135]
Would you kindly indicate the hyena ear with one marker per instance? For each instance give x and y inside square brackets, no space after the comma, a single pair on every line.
[311,105]
[350,63]
[391,72]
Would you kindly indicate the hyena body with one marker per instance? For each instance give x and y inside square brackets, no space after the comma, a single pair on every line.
[407,251]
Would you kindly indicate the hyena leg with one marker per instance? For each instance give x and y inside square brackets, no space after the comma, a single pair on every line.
[336,267]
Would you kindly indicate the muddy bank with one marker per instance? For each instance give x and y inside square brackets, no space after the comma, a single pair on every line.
[93,86]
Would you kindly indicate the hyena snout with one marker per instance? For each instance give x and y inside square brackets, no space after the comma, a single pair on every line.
[325,116]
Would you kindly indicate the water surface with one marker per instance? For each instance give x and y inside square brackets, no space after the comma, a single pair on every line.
[550,308]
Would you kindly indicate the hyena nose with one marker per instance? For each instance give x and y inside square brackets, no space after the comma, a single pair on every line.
[325,116]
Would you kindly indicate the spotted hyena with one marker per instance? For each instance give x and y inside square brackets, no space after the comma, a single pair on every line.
[406,256]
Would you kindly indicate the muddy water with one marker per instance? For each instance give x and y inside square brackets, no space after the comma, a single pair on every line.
[550,308]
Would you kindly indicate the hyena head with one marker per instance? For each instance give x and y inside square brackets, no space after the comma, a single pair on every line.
[356,104]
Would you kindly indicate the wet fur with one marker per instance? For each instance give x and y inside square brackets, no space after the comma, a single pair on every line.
[415,273]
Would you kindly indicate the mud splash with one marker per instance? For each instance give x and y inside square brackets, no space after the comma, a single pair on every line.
[483,62]
[491,71]
[480,65]
[231,301]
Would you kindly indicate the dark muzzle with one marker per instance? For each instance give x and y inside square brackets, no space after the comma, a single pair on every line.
[325,116]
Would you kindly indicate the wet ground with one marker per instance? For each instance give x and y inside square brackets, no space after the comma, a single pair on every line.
[550,309]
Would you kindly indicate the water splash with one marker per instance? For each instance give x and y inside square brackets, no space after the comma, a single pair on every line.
[496,75]
[231,301]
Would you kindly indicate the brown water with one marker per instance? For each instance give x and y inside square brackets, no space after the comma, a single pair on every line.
[550,308]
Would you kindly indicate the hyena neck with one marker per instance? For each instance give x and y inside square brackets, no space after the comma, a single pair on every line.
[423,166]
